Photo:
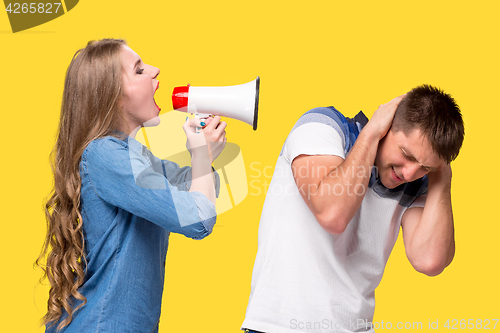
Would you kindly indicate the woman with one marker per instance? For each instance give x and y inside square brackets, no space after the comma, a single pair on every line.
[114,203]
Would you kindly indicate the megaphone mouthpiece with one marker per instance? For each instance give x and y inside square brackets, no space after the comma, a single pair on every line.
[180,98]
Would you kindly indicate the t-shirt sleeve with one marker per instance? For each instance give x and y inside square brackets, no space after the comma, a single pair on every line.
[419,201]
[313,139]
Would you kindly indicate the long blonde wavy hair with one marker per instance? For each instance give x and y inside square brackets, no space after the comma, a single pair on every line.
[90,110]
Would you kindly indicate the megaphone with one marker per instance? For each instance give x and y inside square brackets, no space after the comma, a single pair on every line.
[238,102]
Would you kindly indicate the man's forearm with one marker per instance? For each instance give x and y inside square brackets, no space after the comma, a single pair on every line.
[432,243]
[340,193]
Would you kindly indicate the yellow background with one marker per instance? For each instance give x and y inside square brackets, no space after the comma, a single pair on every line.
[353,55]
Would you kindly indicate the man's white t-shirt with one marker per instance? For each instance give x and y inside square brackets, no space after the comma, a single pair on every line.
[305,279]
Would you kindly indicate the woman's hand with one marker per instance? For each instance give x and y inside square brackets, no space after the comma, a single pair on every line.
[213,133]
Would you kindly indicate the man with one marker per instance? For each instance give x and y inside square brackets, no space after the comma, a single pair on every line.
[350,185]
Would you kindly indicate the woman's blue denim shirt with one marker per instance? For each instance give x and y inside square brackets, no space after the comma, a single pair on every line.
[130,202]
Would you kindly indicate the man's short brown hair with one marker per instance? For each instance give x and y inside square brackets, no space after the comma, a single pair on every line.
[438,117]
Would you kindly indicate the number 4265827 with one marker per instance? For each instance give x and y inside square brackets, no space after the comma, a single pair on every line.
[41,8]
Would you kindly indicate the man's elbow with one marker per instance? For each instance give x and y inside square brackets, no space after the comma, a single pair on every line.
[332,223]
[431,267]
[430,270]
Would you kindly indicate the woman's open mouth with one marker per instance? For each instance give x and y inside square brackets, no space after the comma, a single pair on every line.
[157,86]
